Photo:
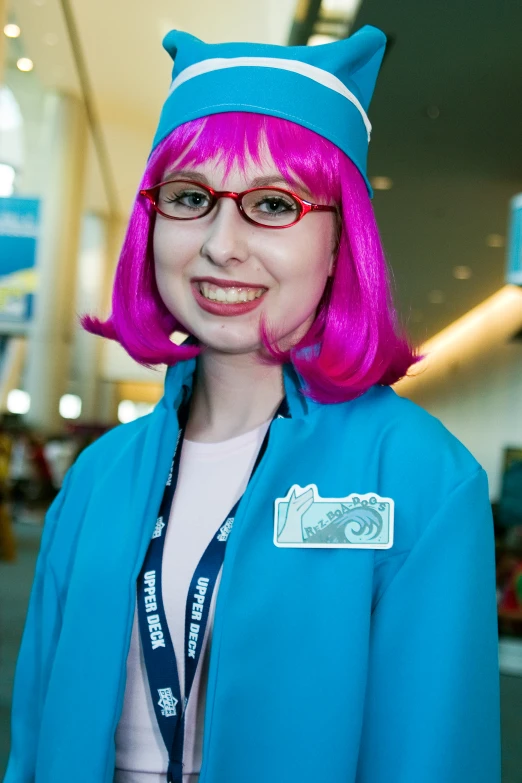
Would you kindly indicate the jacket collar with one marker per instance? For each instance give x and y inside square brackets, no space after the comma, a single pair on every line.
[180,377]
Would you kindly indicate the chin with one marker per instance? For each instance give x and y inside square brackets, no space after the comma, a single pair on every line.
[232,344]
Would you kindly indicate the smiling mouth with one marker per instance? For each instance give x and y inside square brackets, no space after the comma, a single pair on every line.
[228,294]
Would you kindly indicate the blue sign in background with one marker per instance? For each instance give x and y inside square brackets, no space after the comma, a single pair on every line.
[19,228]
[514,256]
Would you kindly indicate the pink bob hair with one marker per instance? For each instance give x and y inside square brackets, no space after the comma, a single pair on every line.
[354,341]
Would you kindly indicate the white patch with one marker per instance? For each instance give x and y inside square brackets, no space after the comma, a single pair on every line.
[304,519]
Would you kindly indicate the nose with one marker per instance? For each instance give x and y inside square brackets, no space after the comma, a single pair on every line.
[226,241]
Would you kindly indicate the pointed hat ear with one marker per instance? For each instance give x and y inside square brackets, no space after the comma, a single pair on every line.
[178,39]
[361,66]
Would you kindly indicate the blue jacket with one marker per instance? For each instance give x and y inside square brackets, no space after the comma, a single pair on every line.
[334,665]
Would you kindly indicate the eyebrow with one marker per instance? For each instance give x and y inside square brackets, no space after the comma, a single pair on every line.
[194,175]
[257,182]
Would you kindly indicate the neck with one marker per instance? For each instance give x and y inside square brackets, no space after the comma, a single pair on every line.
[232,394]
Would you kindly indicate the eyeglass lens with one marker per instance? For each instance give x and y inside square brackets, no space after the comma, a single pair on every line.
[186,201]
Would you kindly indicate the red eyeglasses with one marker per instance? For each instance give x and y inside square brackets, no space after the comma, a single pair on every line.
[269,207]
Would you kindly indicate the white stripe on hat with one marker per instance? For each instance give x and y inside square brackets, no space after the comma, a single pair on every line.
[318,75]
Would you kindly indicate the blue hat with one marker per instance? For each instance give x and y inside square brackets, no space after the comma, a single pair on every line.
[325,88]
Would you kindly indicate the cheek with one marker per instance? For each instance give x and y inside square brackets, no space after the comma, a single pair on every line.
[163,260]
[172,252]
[174,246]
[303,265]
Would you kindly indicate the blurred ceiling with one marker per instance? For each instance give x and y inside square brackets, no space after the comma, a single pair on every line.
[454,174]
[447,119]
[126,69]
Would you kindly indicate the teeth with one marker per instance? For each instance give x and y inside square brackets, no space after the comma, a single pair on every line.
[230,295]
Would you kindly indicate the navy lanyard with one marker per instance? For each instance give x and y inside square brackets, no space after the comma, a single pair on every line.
[158,650]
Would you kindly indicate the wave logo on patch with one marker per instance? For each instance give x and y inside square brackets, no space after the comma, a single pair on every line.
[304,519]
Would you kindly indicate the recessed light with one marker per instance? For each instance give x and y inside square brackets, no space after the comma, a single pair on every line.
[381,183]
[50,39]
[348,7]
[18,401]
[495,240]
[436,297]
[462,272]
[433,112]
[12,30]
[70,406]
[24,64]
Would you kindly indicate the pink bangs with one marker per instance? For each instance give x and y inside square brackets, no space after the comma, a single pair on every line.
[355,340]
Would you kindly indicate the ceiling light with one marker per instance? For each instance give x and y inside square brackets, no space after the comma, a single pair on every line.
[495,240]
[436,297]
[126,411]
[433,112]
[129,410]
[7,178]
[70,406]
[24,64]
[462,272]
[473,335]
[316,40]
[12,30]
[348,7]
[18,401]
[381,183]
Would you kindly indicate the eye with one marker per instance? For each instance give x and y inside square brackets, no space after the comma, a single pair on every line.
[274,205]
[183,200]
[192,199]
[269,206]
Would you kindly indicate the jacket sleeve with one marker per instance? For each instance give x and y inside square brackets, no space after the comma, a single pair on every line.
[35,658]
[432,702]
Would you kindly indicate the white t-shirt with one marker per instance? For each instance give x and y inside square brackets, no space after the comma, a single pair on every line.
[212,477]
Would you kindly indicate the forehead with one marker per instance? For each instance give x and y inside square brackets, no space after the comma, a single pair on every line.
[240,175]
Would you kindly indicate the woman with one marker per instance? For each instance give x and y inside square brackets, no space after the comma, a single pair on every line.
[350,634]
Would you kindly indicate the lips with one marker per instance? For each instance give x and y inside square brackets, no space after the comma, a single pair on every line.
[252,296]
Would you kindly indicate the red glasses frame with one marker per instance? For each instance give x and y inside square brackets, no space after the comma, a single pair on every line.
[305,206]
